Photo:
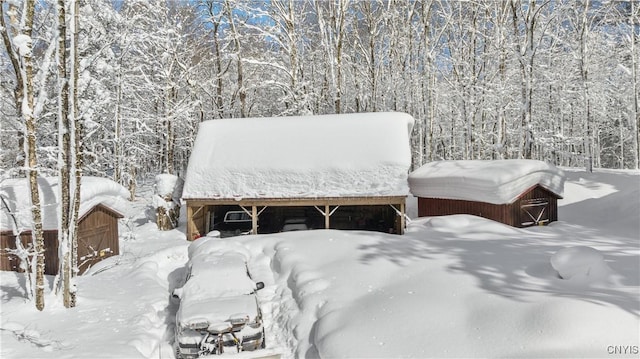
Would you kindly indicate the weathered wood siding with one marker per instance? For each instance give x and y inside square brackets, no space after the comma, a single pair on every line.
[511,214]
[10,262]
[97,237]
[537,192]
[97,240]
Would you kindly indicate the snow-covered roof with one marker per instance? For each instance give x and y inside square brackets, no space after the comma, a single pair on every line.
[365,154]
[93,191]
[491,181]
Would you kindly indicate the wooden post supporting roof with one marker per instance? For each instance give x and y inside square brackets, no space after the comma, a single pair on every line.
[190,223]
[403,223]
[254,220]
[327,216]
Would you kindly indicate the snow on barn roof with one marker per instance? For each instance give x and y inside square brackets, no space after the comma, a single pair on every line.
[497,181]
[364,154]
[93,191]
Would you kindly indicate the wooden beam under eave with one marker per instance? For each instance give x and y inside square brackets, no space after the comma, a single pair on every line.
[293,202]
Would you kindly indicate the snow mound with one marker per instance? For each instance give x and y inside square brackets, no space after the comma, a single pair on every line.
[495,181]
[213,245]
[581,264]
[465,223]
[359,154]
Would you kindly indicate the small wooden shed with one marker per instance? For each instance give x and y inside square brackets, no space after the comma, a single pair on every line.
[519,193]
[103,203]
[346,171]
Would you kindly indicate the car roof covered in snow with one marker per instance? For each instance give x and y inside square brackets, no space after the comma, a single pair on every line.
[491,181]
[16,195]
[365,154]
[217,275]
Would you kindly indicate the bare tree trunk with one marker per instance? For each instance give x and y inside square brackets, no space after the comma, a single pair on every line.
[339,26]
[241,91]
[635,111]
[588,135]
[76,133]
[20,51]
[526,51]
[117,136]
[64,159]
[132,182]
[27,110]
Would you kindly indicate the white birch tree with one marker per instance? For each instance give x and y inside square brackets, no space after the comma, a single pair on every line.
[20,49]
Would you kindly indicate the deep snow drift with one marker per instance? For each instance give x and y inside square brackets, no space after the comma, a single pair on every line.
[454,286]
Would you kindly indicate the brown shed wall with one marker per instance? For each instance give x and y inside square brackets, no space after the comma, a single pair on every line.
[10,262]
[97,237]
[510,214]
[428,207]
[97,240]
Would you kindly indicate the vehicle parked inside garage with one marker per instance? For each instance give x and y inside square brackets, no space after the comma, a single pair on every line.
[218,310]
[234,223]
[295,224]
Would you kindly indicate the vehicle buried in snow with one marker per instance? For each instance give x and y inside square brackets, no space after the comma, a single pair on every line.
[218,309]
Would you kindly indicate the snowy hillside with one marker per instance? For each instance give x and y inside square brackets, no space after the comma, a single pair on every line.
[456,286]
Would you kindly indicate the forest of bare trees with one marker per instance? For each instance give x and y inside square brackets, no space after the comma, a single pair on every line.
[552,80]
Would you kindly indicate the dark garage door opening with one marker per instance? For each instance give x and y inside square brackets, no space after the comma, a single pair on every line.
[231,220]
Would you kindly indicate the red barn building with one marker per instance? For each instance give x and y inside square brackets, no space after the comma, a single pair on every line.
[519,193]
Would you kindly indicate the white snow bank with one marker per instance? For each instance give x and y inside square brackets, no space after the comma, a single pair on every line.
[93,191]
[305,156]
[581,264]
[495,181]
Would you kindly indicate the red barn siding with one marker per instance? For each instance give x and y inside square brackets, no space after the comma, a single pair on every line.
[10,262]
[511,214]
[97,240]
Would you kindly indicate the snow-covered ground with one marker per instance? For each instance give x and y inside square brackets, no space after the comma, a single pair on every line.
[455,286]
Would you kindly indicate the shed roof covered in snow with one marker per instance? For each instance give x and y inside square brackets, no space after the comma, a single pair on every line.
[94,191]
[490,181]
[346,155]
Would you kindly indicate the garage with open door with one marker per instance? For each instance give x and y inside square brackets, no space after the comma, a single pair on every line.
[301,172]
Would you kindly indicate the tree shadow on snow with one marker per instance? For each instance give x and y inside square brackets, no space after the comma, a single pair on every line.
[513,262]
